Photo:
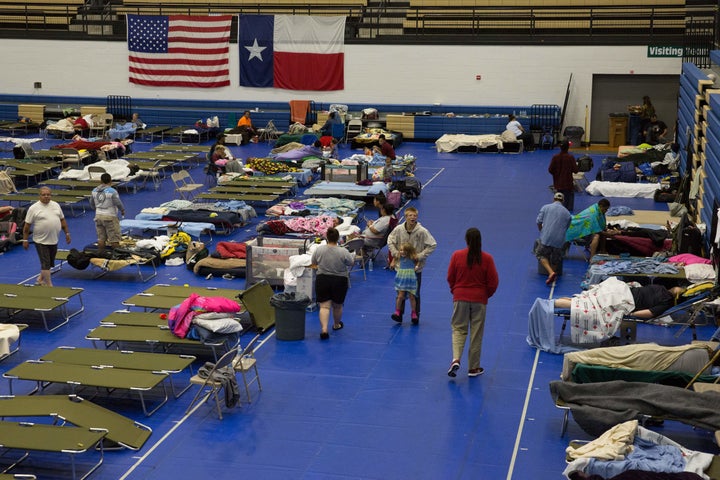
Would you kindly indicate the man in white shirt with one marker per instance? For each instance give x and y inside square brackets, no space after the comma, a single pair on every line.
[526,137]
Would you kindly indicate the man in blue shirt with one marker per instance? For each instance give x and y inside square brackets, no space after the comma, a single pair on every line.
[552,221]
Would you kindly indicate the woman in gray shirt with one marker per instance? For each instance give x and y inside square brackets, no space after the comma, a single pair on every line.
[331,284]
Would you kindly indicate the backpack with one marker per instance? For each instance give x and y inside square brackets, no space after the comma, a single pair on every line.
[78,259]
[409,186]
[585,163]
[196,251]
[547,140]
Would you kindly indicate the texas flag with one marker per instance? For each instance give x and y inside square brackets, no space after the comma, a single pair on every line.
[294,52]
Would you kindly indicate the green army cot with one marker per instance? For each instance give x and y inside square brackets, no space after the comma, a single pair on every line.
[23,199]
[174,147]
[74,441]
[157,338]
[164,297]
[121,431]
[43,300]
[100,377]
[125,359]
[149,135]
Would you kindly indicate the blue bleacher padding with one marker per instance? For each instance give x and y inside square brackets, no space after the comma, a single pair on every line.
[715,56]
[688,87]
[715,102]
[694,73]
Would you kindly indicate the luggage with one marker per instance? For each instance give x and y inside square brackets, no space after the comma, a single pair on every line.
[585,163]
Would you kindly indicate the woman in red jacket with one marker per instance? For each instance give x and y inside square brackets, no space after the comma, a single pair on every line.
[473,279]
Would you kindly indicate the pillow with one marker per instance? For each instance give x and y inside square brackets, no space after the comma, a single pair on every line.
[219,325]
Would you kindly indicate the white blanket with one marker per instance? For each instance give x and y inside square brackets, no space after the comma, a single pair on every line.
[118,170]
[621,189]
[450,142]
[595,314]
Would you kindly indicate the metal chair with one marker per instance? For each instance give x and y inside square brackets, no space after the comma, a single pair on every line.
[269,133]
[354,128]
[246,364]
[185,186]
[355,246]
[213,378]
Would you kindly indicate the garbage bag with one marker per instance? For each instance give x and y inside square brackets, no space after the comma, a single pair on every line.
[290,301]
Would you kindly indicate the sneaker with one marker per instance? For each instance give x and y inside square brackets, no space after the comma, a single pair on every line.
[397,317]
[454,367]
[475,372]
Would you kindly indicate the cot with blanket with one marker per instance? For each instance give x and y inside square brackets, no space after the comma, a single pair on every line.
[369,139]
[469,143]
[62,409]
[224,222]
[195,229]
[107,265]
[72,441]
[628,450]
[136,328]
[16,299]
[245,197]
[252,189]
[341,207]
[648,360]
[619,189]
[597,316]
[598,409]
[344,189]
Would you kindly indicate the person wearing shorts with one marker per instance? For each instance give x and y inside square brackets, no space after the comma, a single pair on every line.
[106,202]
[46,218]
[331,283]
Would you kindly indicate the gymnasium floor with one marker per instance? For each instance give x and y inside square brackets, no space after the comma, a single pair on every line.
[373,402]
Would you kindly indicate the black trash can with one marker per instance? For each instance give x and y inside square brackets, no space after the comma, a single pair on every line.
[289,315]
[574,136]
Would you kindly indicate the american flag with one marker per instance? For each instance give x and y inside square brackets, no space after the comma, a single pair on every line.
[179,50]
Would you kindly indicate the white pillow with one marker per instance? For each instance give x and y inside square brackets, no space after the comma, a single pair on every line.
[219,325]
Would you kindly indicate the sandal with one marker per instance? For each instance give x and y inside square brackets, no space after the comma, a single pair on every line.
[339,326]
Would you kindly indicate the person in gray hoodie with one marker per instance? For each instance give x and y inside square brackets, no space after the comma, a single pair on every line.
[106,202]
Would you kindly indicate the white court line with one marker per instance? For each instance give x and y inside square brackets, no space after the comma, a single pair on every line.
[511,467]
[528,392]
[180,422]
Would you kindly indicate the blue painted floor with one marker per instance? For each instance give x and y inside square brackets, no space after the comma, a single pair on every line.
[373,402]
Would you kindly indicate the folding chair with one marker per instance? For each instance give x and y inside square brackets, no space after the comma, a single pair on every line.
[354,128]
[246,364]
[213,379]
[185,186]
[269,133]
[355,246]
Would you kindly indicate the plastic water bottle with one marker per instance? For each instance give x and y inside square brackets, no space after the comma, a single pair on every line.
[370,265]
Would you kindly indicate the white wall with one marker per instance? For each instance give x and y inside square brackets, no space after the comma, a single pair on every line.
[374,75]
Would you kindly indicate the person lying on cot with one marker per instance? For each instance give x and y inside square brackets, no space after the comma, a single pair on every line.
[650,300]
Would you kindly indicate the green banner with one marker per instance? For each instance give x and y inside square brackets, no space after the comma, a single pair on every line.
[664,51]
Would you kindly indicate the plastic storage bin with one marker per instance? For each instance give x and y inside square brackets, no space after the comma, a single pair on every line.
[289,315]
